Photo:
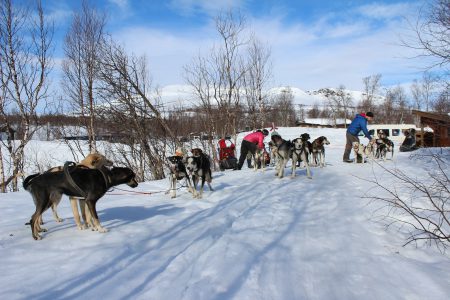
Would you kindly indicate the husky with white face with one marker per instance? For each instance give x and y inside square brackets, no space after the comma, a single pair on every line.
[177,172]
[284,153]
[199,167]
[300,153]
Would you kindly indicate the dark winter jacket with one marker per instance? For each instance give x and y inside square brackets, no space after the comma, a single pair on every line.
[359,123]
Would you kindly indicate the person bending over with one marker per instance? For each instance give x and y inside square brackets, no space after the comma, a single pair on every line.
[359,123]
[250,143]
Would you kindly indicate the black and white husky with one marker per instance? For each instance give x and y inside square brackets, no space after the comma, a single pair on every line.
[284,152]
[300,153]
[199,167]
[177,172]
[384,145]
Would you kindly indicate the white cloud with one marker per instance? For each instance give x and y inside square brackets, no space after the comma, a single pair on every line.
[331,63]
[386,11]
[122,4]
[188,7]
[59,15]
[167,52]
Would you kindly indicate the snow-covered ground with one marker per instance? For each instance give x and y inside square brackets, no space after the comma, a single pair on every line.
[254,237]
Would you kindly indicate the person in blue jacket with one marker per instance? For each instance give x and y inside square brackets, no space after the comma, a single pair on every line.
[359,123]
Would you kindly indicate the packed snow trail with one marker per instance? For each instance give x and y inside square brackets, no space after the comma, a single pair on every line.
[254,237]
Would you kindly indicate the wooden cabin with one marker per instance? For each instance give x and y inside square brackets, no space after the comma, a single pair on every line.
[439,122]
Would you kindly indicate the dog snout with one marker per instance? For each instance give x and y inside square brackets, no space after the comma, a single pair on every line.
[132,183]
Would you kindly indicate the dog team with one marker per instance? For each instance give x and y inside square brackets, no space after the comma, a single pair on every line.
[87,181]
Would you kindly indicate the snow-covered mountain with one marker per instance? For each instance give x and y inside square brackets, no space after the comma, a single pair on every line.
[182,95]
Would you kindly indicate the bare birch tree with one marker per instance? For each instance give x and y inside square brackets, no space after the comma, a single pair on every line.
[371,89]
[25,50]
[126,85]
[229,65]
[418,206]
[431,34]
[258,72]
[217,78]
[428,86]
[343,101]
[283,108]
[80,67]
[442,103]
[416,93]
[387,114]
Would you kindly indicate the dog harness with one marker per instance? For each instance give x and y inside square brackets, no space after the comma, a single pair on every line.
[70,179]
[69,164]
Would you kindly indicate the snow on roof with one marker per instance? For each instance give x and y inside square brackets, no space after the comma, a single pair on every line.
[326,121]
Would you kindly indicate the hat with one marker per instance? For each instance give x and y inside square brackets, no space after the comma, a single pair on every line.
[369,114]
[265,132]
[275,133]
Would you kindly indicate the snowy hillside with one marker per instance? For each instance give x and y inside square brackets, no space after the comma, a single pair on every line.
[176,95]
[254,237]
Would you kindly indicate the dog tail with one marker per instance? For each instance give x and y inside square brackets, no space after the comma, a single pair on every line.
[27,181]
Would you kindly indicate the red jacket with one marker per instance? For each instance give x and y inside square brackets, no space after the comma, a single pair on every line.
[255,138]
[225,150]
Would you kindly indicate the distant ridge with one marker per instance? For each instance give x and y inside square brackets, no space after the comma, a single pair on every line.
[173,96]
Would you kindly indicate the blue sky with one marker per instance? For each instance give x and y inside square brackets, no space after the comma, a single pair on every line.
[314,44]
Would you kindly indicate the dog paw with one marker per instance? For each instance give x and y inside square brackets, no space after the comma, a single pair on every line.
[173,196]
[43,230]
[37,237]
[102,229]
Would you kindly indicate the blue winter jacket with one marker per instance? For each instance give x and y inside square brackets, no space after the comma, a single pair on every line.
[359,123]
